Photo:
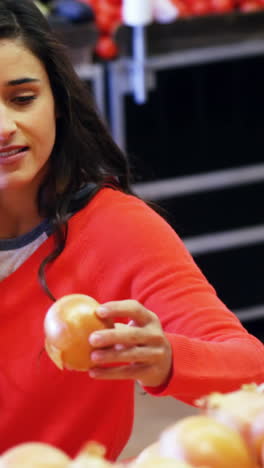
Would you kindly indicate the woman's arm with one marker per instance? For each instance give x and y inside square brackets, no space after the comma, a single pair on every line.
[209,348]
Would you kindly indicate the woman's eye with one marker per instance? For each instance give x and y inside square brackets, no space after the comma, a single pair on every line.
[24,99]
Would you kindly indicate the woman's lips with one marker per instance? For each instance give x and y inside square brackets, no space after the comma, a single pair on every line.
[9,156]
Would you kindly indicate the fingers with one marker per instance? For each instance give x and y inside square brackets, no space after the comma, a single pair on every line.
[136,333]
[135,354]
[133,371]
[136,350]
[128,336]
[126,309]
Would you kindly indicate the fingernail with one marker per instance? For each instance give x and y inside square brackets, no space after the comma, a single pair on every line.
[102,311]
[94,339]
[119,347]
[95,356]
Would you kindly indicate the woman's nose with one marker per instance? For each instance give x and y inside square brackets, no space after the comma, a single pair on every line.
[7,125]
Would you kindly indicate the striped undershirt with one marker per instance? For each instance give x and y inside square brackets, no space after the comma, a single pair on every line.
[15,251]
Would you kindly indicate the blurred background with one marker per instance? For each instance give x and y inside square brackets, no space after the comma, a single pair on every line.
[180,85]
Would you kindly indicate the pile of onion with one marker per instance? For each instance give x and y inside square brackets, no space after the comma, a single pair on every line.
[91,456]
[149,453]
[160,462]
[202,441]
[67,325]
[41,455]
[151,458]
[243,411]
[34,455]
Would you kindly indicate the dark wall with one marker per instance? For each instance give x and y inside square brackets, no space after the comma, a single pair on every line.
[200,119]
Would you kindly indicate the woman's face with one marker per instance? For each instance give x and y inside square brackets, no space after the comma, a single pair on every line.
[27,117]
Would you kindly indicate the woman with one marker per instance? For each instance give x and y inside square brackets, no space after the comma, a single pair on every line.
[69,223]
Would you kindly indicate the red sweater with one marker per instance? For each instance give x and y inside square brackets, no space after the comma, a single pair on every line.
[117,248]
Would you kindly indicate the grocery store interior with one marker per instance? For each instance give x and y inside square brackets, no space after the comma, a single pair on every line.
[181,86]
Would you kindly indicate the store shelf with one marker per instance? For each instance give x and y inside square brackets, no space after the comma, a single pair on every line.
[195,32]
[214,180]
[95,74]
[75,35]
[144,52]
[196,40]
[250,314]
[80,40]
[219,241]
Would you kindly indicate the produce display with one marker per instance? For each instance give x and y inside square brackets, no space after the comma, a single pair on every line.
[108,14]
[38,455]
[34,455]
[228,432]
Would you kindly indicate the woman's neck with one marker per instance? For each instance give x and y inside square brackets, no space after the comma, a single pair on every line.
[18,214]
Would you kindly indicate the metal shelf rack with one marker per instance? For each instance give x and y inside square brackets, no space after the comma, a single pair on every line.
[148,50]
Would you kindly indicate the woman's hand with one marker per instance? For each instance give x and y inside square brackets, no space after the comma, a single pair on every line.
[139,350]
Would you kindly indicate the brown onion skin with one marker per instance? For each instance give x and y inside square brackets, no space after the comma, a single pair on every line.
[262,456]
[161,462]
[148,453]
[243,411]
[202,441]
[68,325]
[256,436]
[34,455]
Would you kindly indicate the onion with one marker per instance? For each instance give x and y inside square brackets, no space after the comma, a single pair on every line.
[148,453]
[262,456]
[67,325]
[160,462]
[34,455]
[202,441]
[256,435]
[91,456]
[240,410]
[150,457]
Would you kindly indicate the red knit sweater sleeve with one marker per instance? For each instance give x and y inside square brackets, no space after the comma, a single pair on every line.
[211,349]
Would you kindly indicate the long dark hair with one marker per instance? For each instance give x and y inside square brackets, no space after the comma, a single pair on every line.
[84,150]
